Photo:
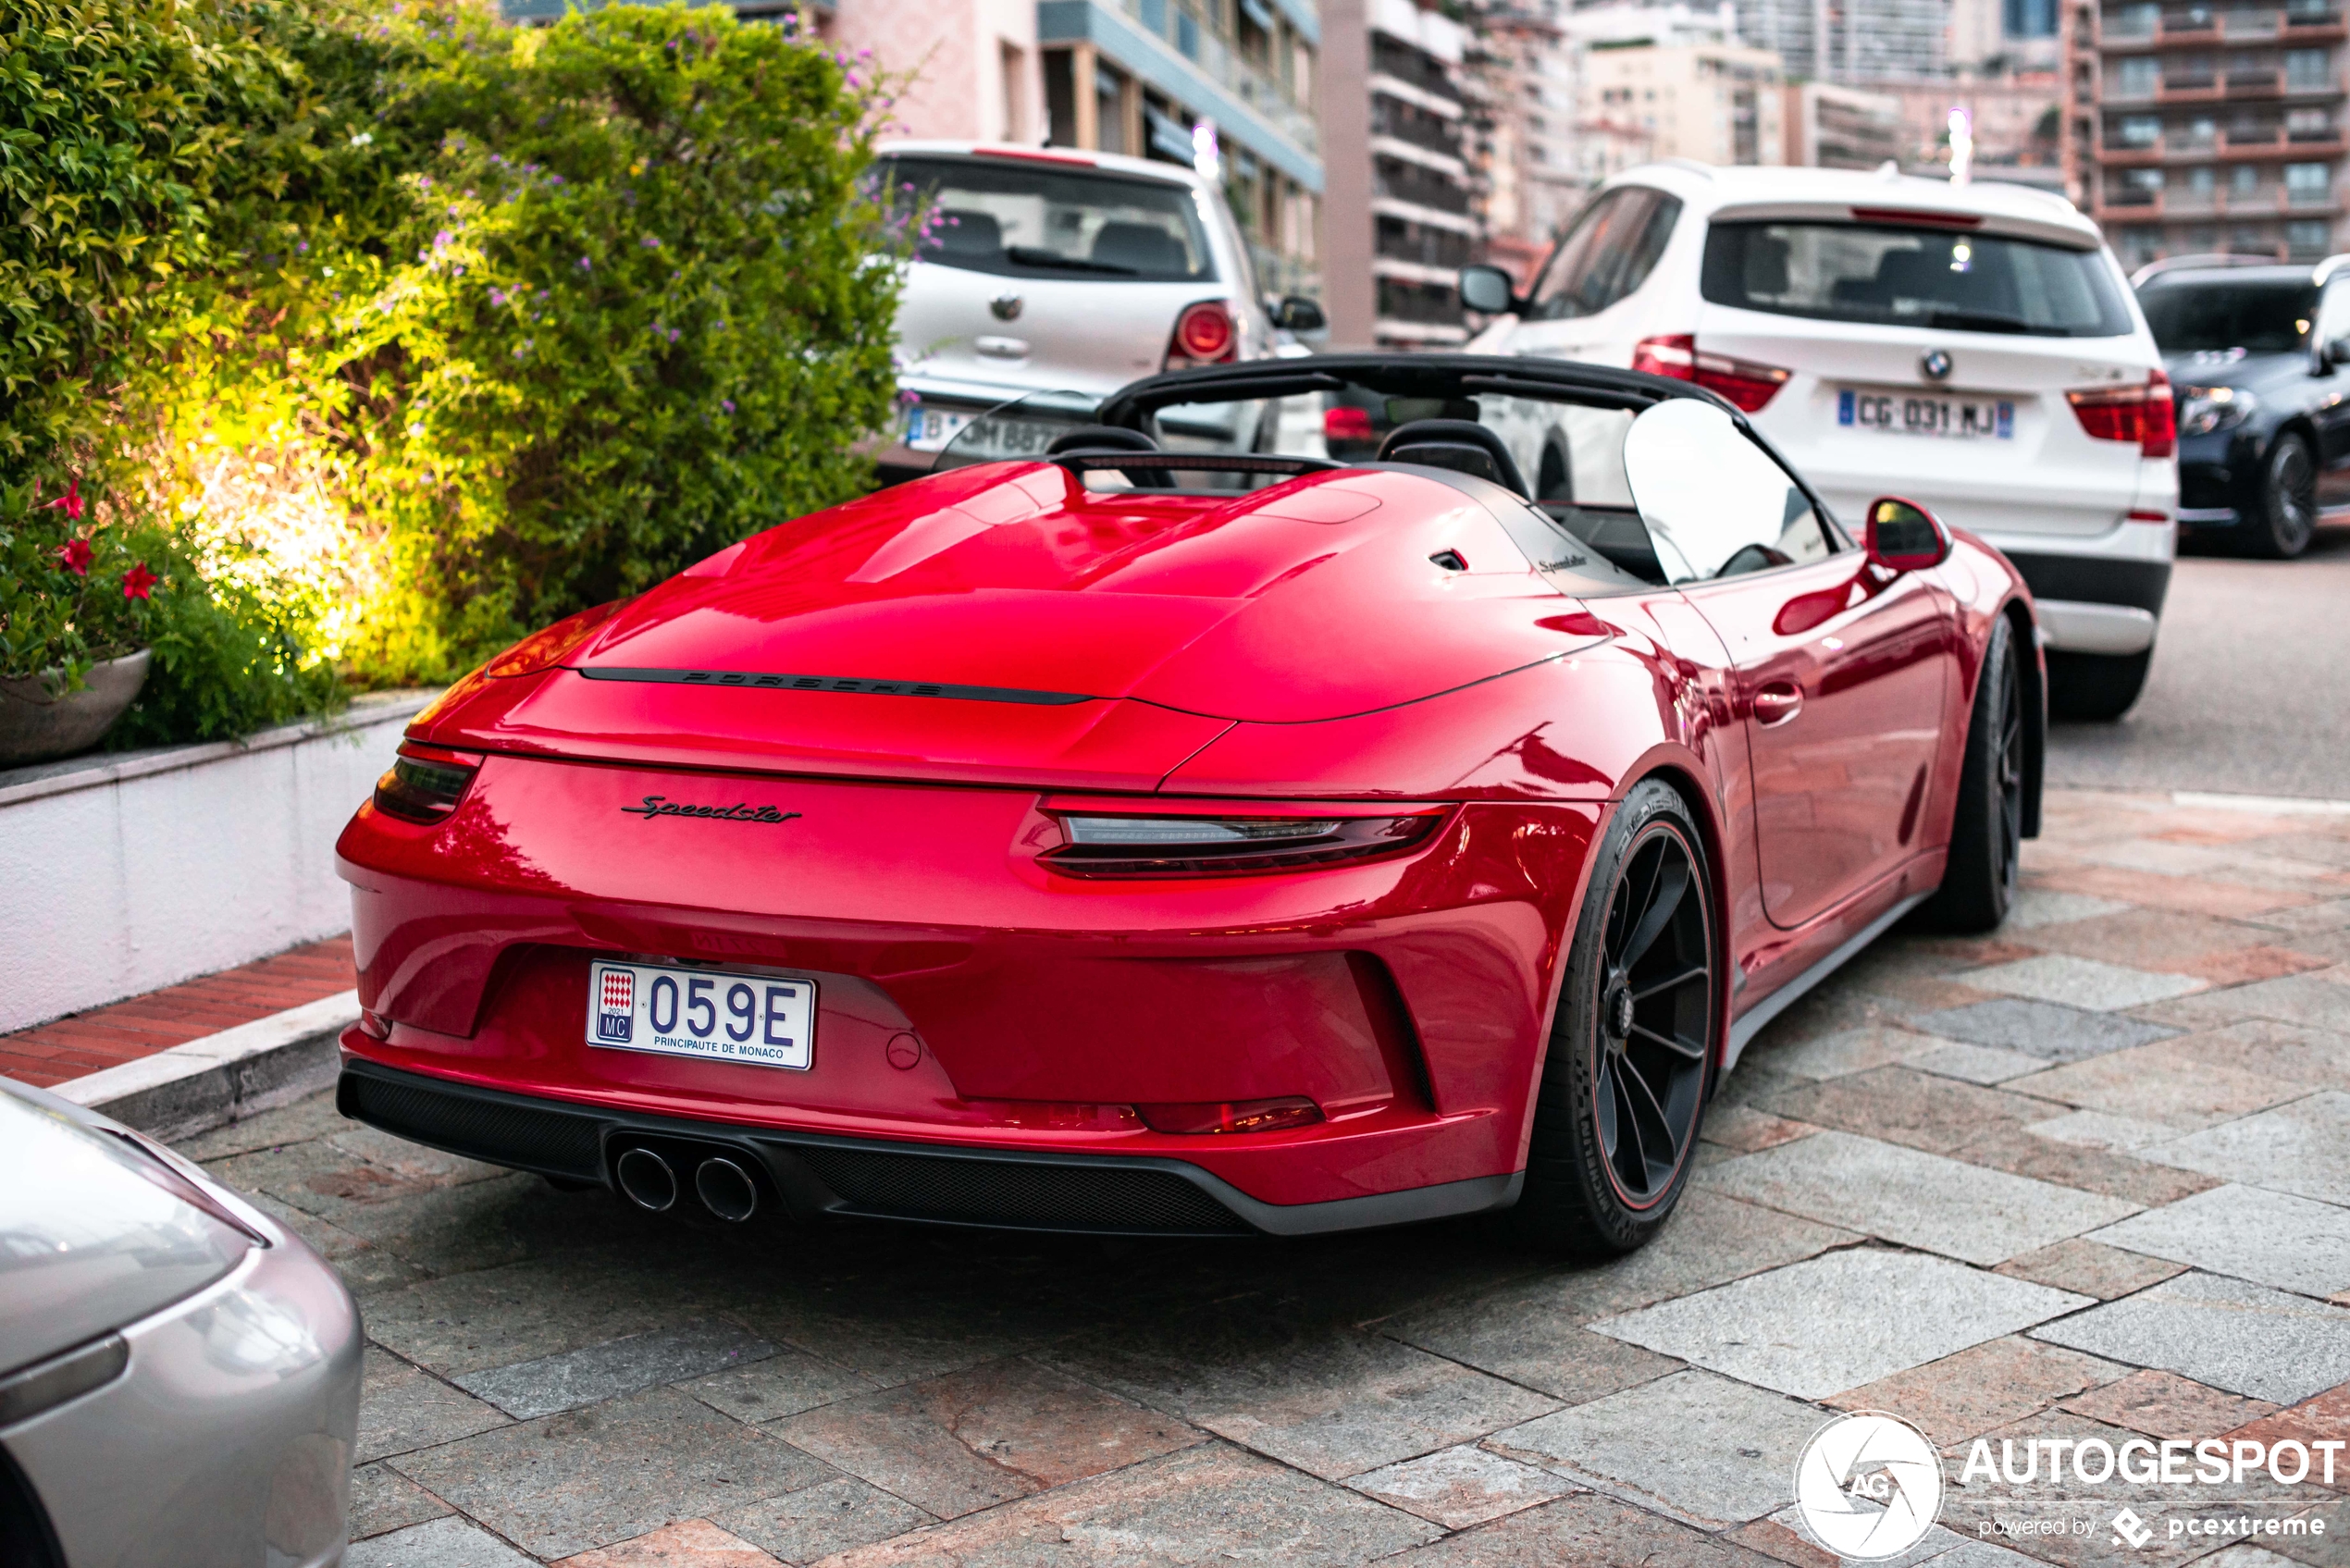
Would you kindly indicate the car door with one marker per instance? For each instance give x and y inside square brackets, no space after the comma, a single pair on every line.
[2329,401]
[1839,669]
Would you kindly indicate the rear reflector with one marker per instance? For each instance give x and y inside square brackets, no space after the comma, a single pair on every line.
[1102,846]
[1345,424]
[426,782]
[1055,1116]
[1203,335]
[2143,414]
[1232,1116]
[1748,385]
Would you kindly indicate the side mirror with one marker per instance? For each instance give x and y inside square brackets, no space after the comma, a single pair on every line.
[2337,352]
[1904,536]
[1300,314]
[1488,290]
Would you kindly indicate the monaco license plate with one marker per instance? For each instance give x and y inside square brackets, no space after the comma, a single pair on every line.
[765,1020]
[929,429]
[1913,413]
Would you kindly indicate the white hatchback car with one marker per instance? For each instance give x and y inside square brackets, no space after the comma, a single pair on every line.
[1046,270]
[1973,347]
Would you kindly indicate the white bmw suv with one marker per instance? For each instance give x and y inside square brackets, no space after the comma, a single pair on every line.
[1042,270]
[1975,348]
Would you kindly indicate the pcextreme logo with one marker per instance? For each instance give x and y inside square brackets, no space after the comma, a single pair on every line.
[1868,1485]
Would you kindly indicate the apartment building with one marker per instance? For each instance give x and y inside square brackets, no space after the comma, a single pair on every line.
[1832,127]
[1853,43]
[1522,130]
[1401,214]
[2192,127]
[1716,103]
[1143,77]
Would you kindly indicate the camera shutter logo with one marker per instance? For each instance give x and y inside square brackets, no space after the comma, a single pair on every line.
[1868,1485]
[616,1006]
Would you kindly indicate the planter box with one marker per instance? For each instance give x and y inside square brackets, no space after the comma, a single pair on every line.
[128,872]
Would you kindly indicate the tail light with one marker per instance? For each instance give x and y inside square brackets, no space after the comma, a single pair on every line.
[1192,847]
[1345,424]
[426,782]
[1748,385]
[2143,414]
[1231,1116]
[1205,334]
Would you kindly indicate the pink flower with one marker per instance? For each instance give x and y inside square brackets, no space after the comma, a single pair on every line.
[71,501]
[74,555]
[138,583]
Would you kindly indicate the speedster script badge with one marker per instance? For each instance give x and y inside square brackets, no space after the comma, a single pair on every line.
[661,806]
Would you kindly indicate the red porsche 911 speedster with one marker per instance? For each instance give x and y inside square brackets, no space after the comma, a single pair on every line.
[1289,797]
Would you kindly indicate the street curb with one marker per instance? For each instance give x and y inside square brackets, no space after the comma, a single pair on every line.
[221,1078]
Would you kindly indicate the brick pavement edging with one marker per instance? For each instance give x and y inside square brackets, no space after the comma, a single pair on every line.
[203,1083]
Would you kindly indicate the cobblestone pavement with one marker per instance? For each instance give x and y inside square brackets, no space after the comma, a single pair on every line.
[2089,1178]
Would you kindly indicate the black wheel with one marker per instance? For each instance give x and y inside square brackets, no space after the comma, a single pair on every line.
[2287,517]
[1623,1089]
[1987,836]
[2096,687]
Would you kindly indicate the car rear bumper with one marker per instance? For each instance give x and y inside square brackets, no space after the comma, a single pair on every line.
[968,998]
[810,1175]
[2106,603]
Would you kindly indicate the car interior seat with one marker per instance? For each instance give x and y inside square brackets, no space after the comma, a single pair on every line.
[1766,265]
[1144,249]
[1462,445]
[966,234]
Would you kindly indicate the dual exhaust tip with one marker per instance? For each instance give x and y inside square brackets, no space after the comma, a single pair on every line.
[652,1184]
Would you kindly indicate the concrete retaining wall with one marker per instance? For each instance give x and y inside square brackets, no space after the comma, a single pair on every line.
[123,872]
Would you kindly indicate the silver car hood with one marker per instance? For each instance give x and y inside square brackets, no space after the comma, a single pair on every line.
[94,1232]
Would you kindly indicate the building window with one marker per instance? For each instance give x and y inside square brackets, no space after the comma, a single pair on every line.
[2309,125]
[2307,239]
[2245,179]
[2139,130]
[2305,184]
[2137,77]
[2308,69]
[1060,97]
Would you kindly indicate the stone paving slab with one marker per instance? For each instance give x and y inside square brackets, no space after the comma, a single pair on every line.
[1696,1447]
[2270,1238]
[1821,1327]
[2302,1148]
[1910,1167]
[531,1388]
[1917,1199]
[2246,1339]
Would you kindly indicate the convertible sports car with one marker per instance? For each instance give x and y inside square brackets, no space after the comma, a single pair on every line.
[1257,811]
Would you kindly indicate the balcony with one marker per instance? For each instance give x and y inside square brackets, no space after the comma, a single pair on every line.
[2268,201]
[1214,56]
[2254,84]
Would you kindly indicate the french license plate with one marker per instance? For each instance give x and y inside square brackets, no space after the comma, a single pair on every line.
[929,429]
[765,1020]
[1906,414]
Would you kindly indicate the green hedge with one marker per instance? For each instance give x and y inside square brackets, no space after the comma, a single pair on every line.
[389,334]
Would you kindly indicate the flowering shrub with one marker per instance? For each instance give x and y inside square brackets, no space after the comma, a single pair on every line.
[71,593]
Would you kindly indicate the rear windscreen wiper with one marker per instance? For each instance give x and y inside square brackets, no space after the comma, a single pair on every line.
[1030,255]
[1977,321]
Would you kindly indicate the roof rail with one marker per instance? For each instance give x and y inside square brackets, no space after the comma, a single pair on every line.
[2202,259]
[2328,267]
[1692,165]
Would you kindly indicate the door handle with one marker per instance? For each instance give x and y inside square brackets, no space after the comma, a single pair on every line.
[1777,703]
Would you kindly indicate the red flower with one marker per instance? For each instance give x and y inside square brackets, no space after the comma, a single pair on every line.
[74,556]
[71,501]
[138,583]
